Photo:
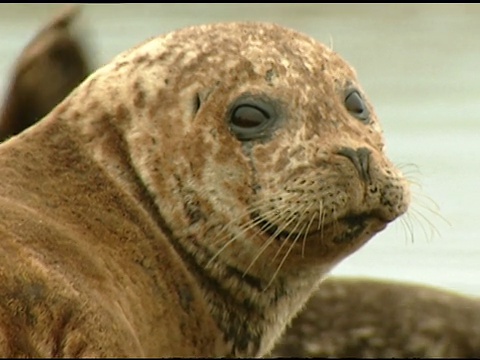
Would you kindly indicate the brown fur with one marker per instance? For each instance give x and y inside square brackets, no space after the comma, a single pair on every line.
[47,70]
[350,317]
[366,318]
[139,235]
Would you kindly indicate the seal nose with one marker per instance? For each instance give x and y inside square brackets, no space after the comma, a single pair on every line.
[360,159]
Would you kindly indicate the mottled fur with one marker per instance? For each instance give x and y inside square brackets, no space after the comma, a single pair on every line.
[367,318]
[129,216]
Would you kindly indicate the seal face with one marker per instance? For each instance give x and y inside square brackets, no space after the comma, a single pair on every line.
[220,171]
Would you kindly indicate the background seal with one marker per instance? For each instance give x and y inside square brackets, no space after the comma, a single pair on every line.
[52,64]
[367,318]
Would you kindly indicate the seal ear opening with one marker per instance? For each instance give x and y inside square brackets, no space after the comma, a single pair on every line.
[196,104]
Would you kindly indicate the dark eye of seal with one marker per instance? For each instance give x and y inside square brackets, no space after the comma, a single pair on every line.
[356,106]
[252,119]
[249,117]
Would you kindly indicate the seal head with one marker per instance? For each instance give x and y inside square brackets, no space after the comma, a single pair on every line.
[252,153]
[262,154]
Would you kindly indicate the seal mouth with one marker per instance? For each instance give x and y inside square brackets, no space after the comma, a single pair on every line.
[353,226]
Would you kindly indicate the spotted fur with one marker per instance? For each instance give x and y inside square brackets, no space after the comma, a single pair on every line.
[134,222]
[369,318]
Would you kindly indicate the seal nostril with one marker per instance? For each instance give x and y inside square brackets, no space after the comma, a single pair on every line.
[360,159]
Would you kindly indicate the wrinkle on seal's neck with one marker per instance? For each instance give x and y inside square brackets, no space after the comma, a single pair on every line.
[251,315]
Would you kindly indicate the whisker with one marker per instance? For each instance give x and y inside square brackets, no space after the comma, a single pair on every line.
[423,205]
[432,207]
[245,227]
[433,228]
[414,182]
[410,167]
[306,208]
[279,230]
[262,249]
[292,245]
[267,243]
[228,243]
[320,214]
[331,42]
[242,231]
[306,234]
[322,226]
[291,219]
[407,224]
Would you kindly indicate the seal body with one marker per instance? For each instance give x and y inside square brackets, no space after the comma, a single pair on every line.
[368,318]
[188,197]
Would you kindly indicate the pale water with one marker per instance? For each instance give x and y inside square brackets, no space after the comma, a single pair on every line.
[420,66]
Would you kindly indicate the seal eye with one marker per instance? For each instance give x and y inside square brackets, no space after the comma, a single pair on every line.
[252,118]
[249,117]
[356,106]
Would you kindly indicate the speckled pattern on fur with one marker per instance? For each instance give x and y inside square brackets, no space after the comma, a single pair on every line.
[132,219]
[369,318]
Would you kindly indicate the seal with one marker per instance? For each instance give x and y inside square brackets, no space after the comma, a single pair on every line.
[52,64]
[188,197]
[371,318]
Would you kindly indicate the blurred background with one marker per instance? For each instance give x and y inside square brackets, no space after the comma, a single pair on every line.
[419,65]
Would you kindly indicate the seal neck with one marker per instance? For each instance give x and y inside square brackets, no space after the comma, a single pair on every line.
[251,313]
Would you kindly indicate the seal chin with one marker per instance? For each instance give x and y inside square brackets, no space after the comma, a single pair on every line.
[342,230]
[354,226]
